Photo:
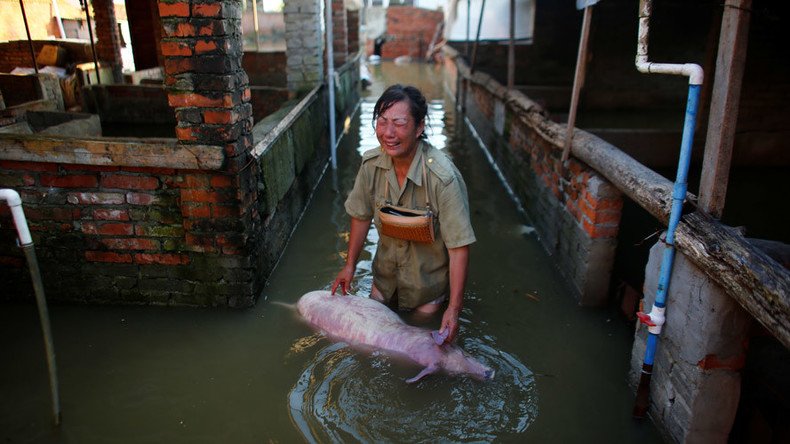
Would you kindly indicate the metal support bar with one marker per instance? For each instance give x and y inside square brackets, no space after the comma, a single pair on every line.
[511,48]
[477,38]
[93,45]
[330,83]
[29,40]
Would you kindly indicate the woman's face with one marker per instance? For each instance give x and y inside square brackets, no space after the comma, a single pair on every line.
[397,131]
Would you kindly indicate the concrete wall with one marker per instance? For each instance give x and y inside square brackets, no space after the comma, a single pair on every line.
[266,68]
[304,42]
[575,211]
[696,380]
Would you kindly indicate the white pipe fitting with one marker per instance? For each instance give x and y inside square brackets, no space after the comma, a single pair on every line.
[15,203]
[693,71]
[654,320]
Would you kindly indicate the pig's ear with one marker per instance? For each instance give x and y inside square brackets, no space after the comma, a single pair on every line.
[433,368]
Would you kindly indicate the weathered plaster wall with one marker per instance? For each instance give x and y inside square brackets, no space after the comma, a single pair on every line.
[696,380]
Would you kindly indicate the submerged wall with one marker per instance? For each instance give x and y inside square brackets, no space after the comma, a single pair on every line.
[696,382]
[153,222]
[575,210]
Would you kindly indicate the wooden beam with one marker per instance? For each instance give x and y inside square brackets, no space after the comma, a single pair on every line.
[760,284]
[162,153]
[724,106]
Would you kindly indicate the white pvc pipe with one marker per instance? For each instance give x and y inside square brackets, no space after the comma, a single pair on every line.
[692,70]
[15,203]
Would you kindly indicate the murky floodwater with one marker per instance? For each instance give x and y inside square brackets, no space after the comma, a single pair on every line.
[139,375]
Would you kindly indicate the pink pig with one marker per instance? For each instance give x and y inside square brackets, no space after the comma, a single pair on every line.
[364,322]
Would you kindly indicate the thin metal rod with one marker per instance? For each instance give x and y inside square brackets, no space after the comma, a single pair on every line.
[330,83]
[578,81]
[93,46]
[29,40]
[43,314]
[468,20]
[255,23]
[477,38]
[511,49]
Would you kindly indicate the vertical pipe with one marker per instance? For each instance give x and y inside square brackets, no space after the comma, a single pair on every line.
[723,115]
[255,23]
[477,38]
[511,50]
[29,40]
[25,240]
[578,80]
[468,23]
[330,82]
[93,46]
[655,318]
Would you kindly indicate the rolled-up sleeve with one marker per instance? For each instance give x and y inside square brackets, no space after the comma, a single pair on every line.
[359,203]
[454,219]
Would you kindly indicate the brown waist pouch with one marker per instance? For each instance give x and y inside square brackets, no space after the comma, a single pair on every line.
[407,224]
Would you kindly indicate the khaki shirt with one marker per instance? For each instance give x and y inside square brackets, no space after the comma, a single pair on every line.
[416,272]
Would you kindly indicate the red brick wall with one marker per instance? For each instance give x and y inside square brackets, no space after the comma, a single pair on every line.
[339,33]
[409,31]
[575,210]
[108,44]
[164,234]
[352,19]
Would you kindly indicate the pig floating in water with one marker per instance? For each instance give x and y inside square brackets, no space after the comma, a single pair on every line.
[365,322]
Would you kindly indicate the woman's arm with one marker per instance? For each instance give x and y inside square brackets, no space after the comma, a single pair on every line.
[459,265]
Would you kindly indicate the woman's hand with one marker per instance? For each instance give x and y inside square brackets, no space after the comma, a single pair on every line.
[343,280]
[450,324]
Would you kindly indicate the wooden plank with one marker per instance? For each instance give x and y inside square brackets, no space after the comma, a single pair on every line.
[155,153]
[723,117]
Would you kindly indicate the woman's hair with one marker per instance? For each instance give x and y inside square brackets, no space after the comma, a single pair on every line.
[418,107]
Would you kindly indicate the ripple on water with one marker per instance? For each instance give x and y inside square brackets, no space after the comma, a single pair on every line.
[345,395]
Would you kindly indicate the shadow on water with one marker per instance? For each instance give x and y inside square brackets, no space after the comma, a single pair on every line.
[132,374]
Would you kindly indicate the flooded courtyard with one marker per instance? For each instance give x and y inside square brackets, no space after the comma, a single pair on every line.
[152,374]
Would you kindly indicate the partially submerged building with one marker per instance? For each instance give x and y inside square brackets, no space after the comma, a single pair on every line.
[198,213]
[187,187]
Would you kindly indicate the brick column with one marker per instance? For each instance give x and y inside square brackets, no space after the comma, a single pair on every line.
[108,44]
[206,84]
[304,42]
[339,33]
[145,32]
[352,19]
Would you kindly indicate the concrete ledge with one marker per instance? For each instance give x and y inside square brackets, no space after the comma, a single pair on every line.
[161,153]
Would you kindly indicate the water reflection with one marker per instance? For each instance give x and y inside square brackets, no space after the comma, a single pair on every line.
[344,395]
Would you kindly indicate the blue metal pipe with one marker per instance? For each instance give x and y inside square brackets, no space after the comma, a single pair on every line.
[655,319]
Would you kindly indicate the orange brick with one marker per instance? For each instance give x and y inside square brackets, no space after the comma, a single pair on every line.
[173,9]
